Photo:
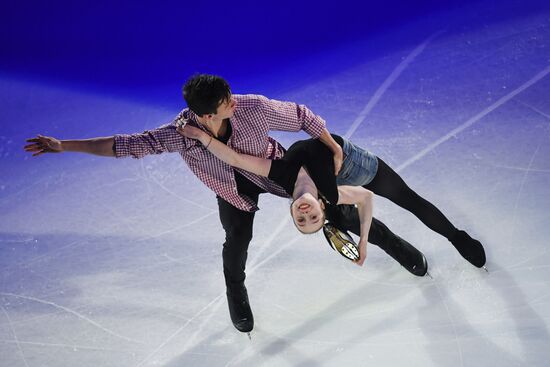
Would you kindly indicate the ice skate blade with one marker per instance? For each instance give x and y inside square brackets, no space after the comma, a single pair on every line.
[430,275]
[249,337]
[484,268]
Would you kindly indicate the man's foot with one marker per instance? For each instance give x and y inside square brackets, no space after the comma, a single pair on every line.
[239,309]
[470,249]
[407,255]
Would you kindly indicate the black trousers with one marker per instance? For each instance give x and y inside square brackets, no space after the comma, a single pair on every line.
[238,226]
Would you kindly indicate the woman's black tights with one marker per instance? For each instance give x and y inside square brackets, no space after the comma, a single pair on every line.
[389,184]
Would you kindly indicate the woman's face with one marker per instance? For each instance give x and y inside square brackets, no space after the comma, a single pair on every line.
[308,213]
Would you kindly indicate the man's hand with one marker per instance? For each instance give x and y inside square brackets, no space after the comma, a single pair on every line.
[338,159]
[43,144]
[362,252]
[335,148]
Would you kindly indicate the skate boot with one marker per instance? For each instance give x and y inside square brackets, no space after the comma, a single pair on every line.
[407,255]
[341,242]
[239,308]
[470,249]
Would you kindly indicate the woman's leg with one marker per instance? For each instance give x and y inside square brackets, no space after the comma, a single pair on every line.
[389,184]
[346,218]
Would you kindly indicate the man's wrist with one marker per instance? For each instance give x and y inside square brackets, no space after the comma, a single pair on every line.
[65,145]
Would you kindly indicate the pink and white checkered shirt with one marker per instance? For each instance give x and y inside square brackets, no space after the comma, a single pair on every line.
[254,116]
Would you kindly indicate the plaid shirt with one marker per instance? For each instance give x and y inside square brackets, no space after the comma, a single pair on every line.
[253,118]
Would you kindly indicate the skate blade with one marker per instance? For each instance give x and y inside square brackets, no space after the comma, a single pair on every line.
[484,268]
[249,337]
[430,275]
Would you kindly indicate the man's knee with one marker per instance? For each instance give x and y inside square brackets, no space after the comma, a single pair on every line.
[235,253]
[238,237]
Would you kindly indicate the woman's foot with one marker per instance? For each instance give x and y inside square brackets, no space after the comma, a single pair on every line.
[470,249]
[407,255]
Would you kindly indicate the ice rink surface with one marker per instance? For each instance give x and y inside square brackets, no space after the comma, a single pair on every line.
[109,262]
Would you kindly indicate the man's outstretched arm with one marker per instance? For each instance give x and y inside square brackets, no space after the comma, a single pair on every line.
[46,144]
[160,140]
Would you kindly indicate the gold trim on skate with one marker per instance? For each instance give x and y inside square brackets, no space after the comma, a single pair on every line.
[341,242]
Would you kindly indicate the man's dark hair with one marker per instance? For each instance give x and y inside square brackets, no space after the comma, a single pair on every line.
[204,93]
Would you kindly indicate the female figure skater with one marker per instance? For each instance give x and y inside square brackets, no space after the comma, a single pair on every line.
[359,169]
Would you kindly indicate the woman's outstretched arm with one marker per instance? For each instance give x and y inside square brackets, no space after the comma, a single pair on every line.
[363,199]
[257,165]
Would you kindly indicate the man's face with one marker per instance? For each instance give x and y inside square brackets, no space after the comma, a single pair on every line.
[226,109]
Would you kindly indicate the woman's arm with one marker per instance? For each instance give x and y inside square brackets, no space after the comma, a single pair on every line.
[257,165]
[363,199]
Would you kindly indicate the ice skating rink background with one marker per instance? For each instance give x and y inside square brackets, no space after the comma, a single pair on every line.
[109,262]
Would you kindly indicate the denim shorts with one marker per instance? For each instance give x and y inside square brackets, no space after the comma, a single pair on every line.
[359,166]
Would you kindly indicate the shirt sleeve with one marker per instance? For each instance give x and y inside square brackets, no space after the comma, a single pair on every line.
[284,174]
[289,116]
[157,141]
[319,164]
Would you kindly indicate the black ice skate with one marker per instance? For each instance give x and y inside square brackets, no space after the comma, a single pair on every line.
[239,309]
[470,249]
[341,242]
[407,255]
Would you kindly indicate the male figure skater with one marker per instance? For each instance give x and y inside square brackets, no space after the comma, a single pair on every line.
[243,123]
